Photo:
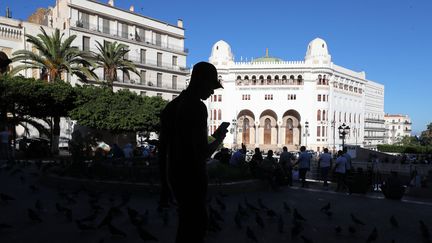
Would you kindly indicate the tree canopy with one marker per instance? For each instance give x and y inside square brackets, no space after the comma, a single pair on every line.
[100,108]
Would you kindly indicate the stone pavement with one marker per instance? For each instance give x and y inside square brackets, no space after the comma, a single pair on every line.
[23,184]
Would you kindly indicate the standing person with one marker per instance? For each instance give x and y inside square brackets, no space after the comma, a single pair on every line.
[239,157]
[4,143]
[285,162]
[184,150]
[340,170]
[304,164]
[324,163]
[255,163]
[349,160]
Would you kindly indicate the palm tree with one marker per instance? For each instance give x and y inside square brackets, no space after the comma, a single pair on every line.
[54,57]
[111,57]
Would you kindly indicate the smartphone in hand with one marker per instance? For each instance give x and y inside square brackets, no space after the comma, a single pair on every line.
[221,130]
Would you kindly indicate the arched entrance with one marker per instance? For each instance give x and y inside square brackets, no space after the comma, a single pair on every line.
[246,129]
[291,128]
[267,131]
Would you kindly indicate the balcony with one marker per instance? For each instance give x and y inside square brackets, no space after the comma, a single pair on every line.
[9,32]
[131,37]
[261,82]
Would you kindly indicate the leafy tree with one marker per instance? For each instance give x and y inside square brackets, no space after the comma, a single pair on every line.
[426,136]
[123,111]
[111,57]
[54,57]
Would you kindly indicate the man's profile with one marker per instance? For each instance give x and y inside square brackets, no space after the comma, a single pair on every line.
[184,150]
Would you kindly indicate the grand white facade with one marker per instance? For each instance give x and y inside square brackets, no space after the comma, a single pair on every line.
[273,103]
[156,47]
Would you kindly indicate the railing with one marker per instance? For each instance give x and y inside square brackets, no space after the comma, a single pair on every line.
[126,35]
[151,83]
[10,32]
[254,82]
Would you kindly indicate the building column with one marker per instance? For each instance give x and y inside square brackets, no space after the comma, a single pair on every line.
[256,135]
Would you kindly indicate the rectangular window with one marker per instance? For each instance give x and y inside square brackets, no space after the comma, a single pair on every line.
[143,77]
[105,26]
[159,59]
[319,97]
[324,97]
[86,43]
[143,53]
[159,94]
[126,77]
[174,82]
[174,96]
[84,20]
[323,131]
[143,93]
[219,98]
[139,35]
[159,80]
[124,30]
[318,131]
[174,61]
[126,56]
[158,39]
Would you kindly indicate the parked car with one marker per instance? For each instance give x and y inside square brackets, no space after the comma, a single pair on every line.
[34,147]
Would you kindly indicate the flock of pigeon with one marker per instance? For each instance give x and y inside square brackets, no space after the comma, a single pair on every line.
[31,211]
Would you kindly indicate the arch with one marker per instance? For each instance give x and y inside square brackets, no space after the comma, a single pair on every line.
[299,79]
[267,131]
[253,77]
[291,127]
[238,77]
[284,79]
[246,77]
[269,79]
[261,79]
[246,131]
[276,78]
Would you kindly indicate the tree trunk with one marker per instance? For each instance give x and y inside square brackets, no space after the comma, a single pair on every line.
[55,136]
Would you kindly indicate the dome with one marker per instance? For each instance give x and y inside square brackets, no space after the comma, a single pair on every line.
[221,54]
[317,51]
[267,58]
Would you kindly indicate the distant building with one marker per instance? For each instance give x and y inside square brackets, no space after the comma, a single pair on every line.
[156,47]
[273,103]
[397,126]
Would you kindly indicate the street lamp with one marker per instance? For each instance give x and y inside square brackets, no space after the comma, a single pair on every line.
[306,134]
[234,130]
[333,125]
[343,131]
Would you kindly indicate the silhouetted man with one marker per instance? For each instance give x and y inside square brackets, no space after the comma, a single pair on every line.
[184,150]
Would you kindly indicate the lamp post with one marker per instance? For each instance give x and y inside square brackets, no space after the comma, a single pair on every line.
[333,125]
[306,134]
[343,131]
[234,131]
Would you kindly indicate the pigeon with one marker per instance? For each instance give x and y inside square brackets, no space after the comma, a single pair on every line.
[213,225]
[424,230]
[373,235]
[325,208]
[242,211]
[68,214]
[271,213]
[115,231]
[6,198]
[281,224]
[351,229]
[356,220]
[215,214]
[92,217]
[306,240]
[394,222]
[328,213]
[60,208]
[298,216]
[38,205]
[237,220]
[5,226]
[261,204]
[286,207]
[338,229]
[296,229]
[145,235]
[33,215]
[84,227]
[106,220]
[251,235]
[259,220]
[34,188]
[22,179]
[250,206]
[221,205]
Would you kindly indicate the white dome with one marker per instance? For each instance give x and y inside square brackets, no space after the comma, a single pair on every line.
[221,54]
[317,51]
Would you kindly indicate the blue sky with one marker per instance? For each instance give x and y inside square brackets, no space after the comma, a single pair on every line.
[390,40]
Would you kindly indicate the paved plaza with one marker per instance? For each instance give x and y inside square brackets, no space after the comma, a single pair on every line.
[57,226]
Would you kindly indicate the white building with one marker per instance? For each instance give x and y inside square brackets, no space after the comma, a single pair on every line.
[397,126]
[273,103]
[156,47]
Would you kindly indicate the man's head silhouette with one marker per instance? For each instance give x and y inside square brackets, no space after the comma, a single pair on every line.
[204,80]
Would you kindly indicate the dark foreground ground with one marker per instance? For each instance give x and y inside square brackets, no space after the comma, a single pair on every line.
[373,210]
